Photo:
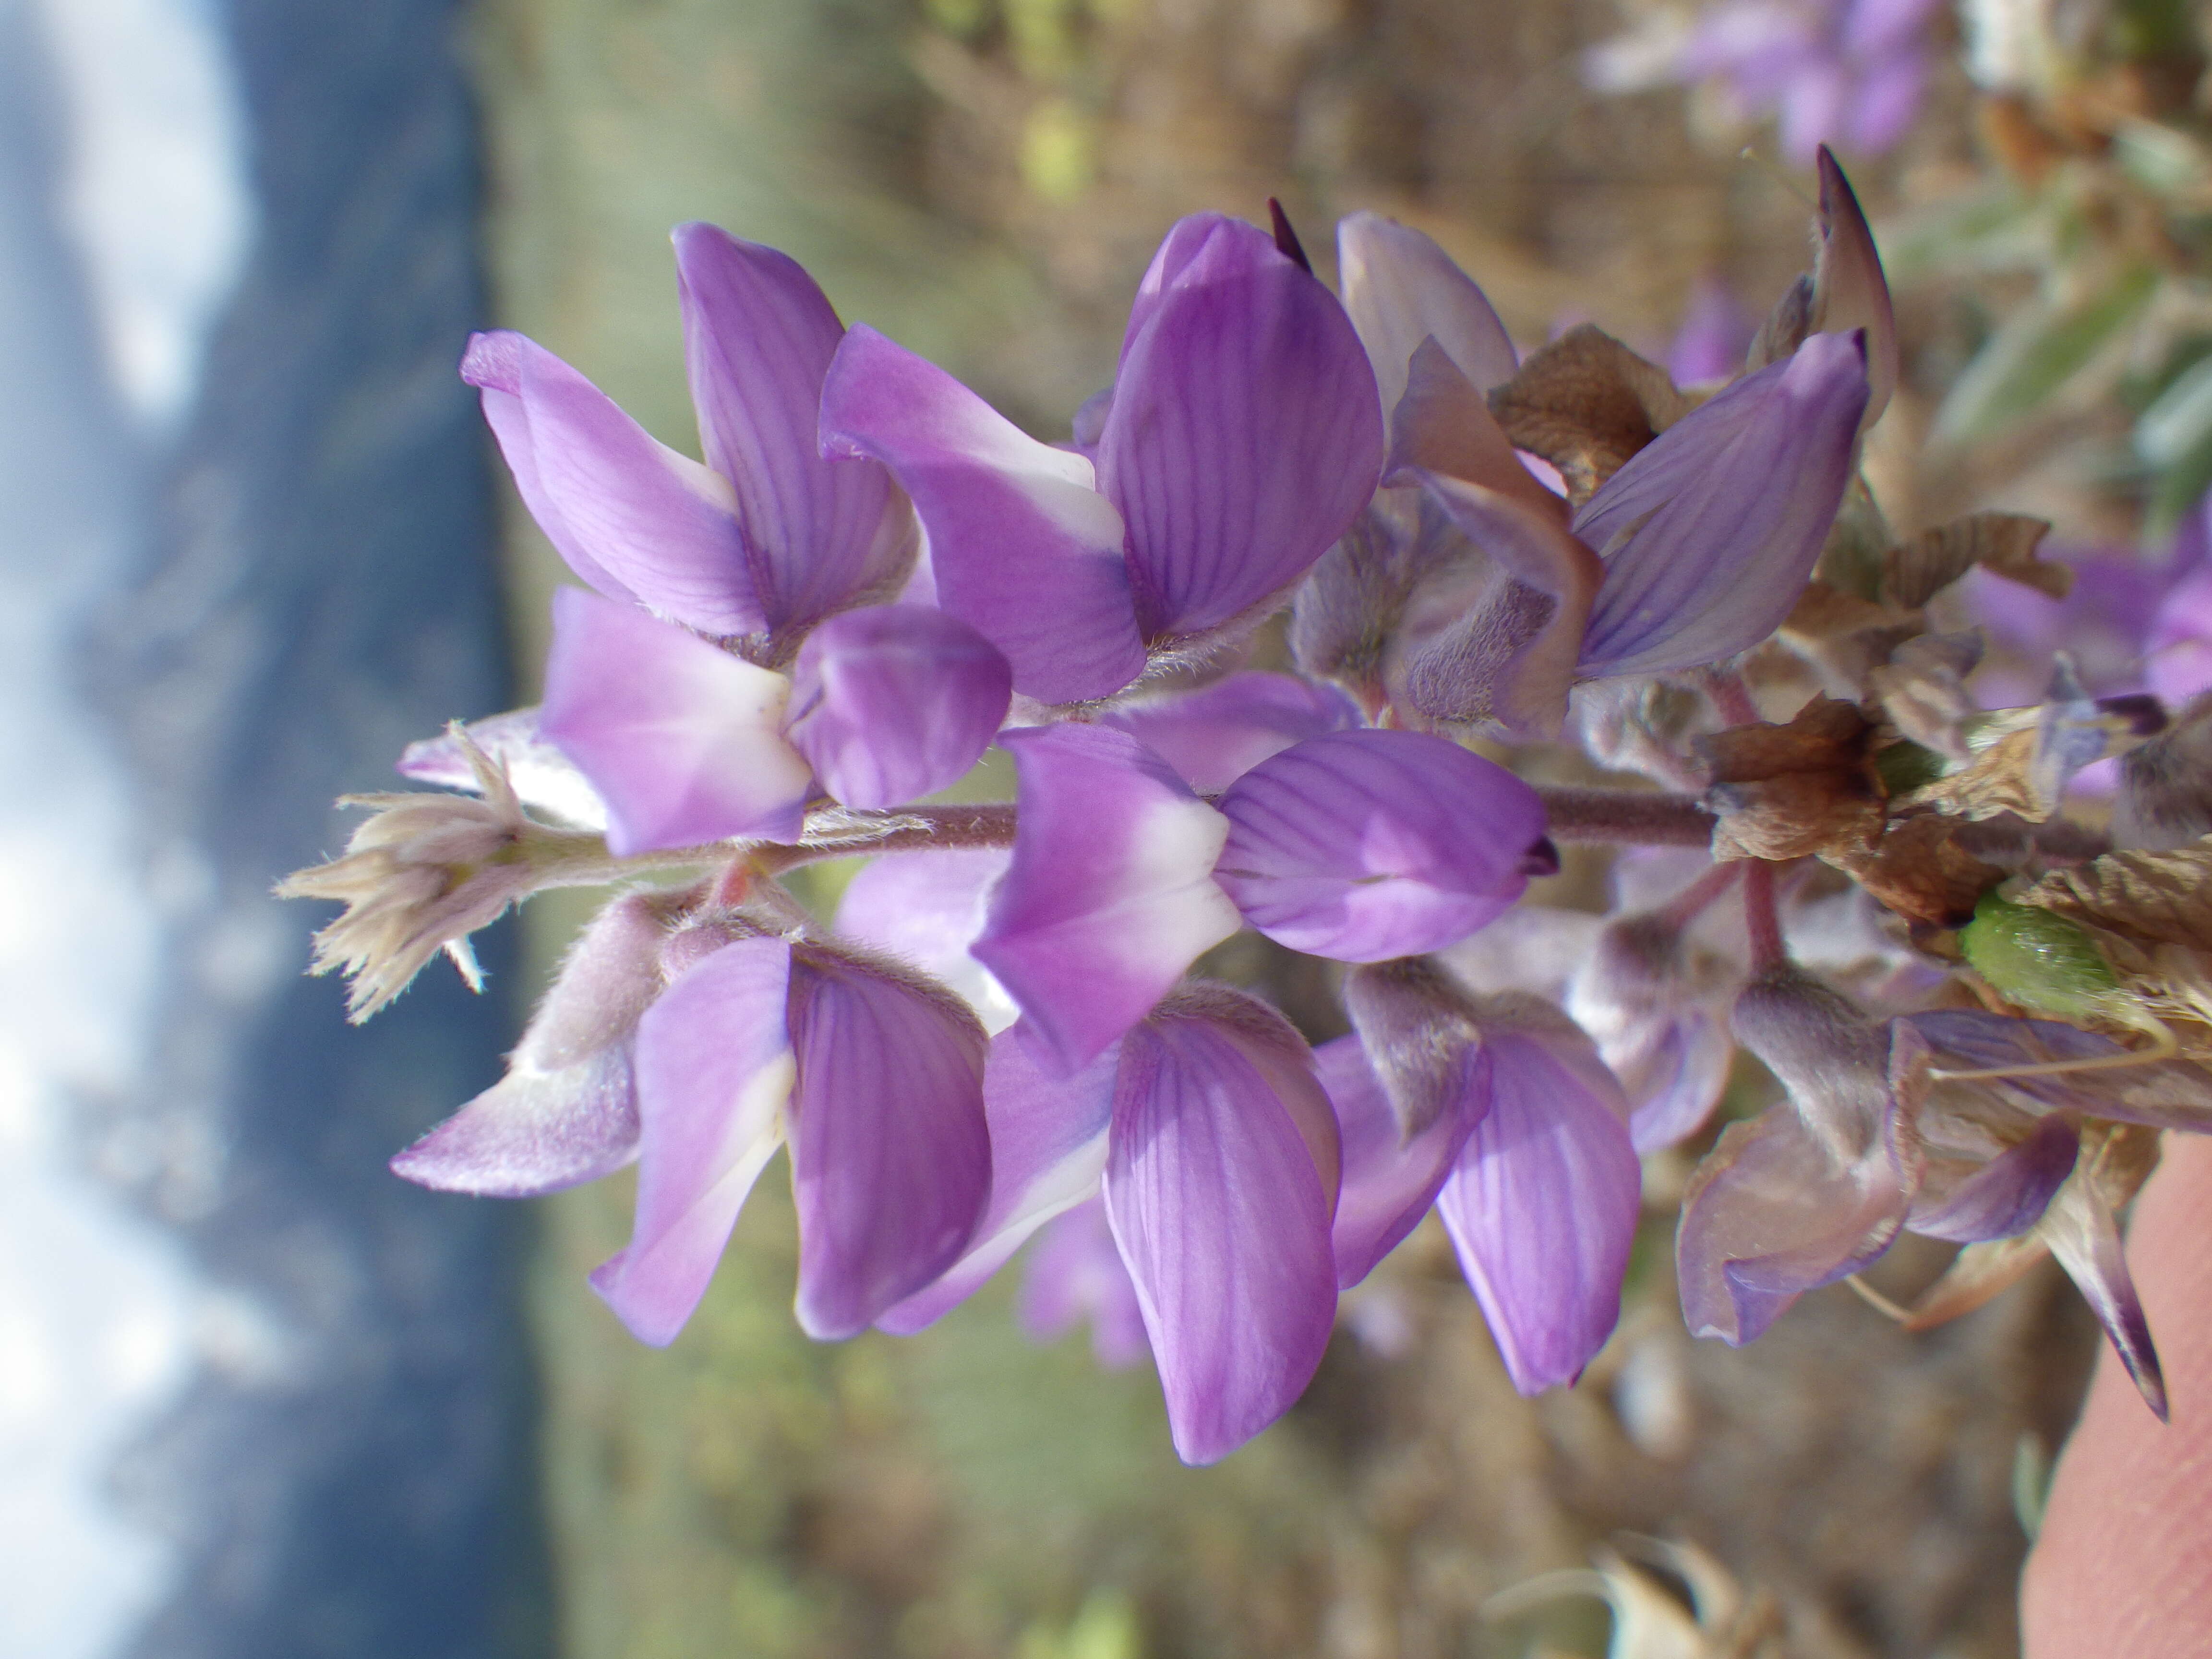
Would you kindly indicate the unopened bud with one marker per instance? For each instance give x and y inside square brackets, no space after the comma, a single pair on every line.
[425,871]
[1418,1029]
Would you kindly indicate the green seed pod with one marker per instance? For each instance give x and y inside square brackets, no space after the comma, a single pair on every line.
[2042,962]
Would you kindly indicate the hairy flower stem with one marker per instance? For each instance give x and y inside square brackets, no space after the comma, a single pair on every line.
[1762,916]
[1628,817]
[1694,900]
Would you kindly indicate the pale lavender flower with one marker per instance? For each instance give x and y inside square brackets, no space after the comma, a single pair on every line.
[1816,1188]
[1076,1272]
[2128,622]
[697,1046]
[1692,551]
[1845,72]
[872,1073]
[1655,1001]
[1242,438]
[1714,335]
[1498,1113]
[688,743]
[1895,1126]
[764,540]
[1218,1158]
[1401,288]
[1359,845]
[566,1112]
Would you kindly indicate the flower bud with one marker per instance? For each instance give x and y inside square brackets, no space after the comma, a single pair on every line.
[2165,785]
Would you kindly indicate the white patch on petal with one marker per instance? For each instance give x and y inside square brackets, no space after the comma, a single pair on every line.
[733,721]
[1174,906]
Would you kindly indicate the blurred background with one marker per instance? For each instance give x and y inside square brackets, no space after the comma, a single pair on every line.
[257,1397]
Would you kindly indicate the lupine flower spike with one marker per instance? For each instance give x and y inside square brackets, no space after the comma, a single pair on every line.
[1970,1017]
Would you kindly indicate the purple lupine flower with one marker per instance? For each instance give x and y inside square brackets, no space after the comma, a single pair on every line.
[769,546]
[688,743]
[1401,288]
[926,908]
[1218,1158]
[1710,530]
[1359,845]
[545,781]
[1816,1188]
[872,1074]
[2129,623]
[566,1112]
[764,540]
[1242,438]
[1848,72]
[1892,1127]
[696,1048]
[1076,1272]
[1213,735]
[1692,551]
[1498,1113]
[1654,1001]
[1714,335]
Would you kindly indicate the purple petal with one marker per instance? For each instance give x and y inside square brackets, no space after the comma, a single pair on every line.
[631,516]
[1723,515]
[2085,1235]
[2169,1094]
[1213,736]
[1048,1151]
[894,702]
[1023,548]
[1076,1272]
[1813,105]
[1770,1214]
[1713,336]
[1224,1223]
[1111,894]
[567,1111]
[1885,102]
[2006,1196]
[927,908]
[1443,427]
[1498,639]
[1401,288]
[611,976]
[1676,1080]
[1363,846]
[2178,648]
[1390,1181]
[682,739]
[544,779]
[533,1132]
[1874,28]
[713,1073]
[758,336]
[890,1161]
[1542,1205]
[1245,436]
